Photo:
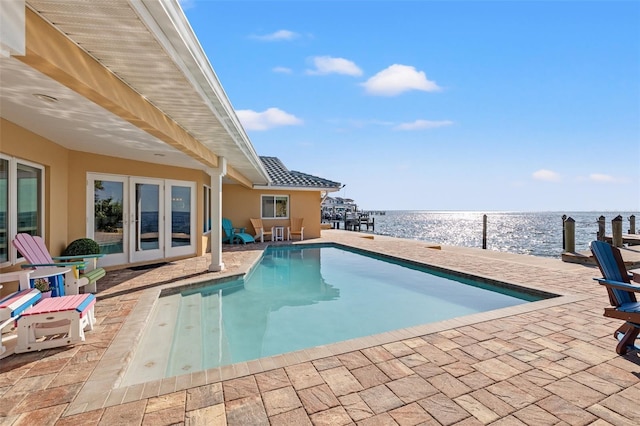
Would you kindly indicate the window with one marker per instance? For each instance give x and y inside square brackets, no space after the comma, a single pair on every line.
[275,206]
[21,203]
[207,209]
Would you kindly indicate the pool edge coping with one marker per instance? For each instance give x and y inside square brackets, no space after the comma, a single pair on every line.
[94,394]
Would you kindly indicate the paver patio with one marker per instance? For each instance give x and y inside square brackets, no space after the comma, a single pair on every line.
[543,363]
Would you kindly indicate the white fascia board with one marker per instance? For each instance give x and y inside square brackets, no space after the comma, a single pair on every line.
[168,23]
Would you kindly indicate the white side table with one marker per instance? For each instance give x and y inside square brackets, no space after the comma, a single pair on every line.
[278,233]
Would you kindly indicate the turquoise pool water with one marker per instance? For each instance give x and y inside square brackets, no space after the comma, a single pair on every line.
[297,298]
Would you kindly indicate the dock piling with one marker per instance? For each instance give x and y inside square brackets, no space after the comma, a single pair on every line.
[601,228]
[570,234]
[616,231]
[564,238]
[632,224]
[484,231]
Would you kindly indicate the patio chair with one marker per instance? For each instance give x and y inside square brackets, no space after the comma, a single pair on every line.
[81,272]
[621,294]
[295,228]
[261,231]
[232,234]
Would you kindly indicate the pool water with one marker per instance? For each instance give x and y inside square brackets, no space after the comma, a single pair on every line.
[301,297]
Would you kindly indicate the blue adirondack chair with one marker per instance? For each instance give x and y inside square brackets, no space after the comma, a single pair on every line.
[621,292]
[231,234]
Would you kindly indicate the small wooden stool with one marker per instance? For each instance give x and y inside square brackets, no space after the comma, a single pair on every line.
[56,321]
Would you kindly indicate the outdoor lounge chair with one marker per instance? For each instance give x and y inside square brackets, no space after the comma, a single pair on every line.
[295,228]
[82,272]
[261,232]
[235,234]
[12,305]
[54,322]
[621,294]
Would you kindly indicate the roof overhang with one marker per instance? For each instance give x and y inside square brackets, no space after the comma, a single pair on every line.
[124,78]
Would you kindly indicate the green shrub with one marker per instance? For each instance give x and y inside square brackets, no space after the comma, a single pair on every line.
[82,246]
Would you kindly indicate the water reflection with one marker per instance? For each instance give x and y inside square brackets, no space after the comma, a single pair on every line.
[534,233]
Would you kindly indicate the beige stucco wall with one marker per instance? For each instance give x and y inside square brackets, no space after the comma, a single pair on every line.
[65,184]
[240,204]
[18,142]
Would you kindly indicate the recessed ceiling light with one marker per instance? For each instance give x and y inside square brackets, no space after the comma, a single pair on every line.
[45,98]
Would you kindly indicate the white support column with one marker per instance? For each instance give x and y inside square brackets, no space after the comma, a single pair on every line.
[216,215]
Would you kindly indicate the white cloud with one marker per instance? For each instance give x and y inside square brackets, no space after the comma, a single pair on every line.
[599,177]
[279,35]
[272,117]
[282,70]
[397,79]
[546,175]
[423,124]
[328,65]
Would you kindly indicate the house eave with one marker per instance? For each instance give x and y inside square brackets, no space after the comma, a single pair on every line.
[120,35]
[295,188]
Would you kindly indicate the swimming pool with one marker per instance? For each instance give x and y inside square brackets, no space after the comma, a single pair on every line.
[299,297]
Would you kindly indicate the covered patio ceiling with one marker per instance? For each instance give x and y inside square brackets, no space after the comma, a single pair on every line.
[149,46]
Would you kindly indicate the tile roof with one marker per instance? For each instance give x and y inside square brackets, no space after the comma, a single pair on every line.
[281,176]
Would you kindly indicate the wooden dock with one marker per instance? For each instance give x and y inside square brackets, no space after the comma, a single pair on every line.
[629,239]
[630,255]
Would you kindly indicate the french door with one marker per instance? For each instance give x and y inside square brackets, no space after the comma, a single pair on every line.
[137,219]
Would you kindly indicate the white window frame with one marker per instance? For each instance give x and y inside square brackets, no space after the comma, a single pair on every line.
[275,197]
[12,205]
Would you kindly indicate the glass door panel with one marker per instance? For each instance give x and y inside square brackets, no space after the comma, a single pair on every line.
[108,224]
[182,221]
[147,217]
[29,196]
[4,210]
[180,216]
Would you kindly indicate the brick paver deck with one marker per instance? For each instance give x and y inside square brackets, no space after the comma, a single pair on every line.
[545,363]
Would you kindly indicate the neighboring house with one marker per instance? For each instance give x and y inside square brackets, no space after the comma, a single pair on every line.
[337,207]
[289,194]
[114,126]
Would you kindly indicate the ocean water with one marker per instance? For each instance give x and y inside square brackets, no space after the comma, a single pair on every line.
[534,233]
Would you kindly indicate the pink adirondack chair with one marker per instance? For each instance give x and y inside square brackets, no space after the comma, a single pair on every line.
[36,253]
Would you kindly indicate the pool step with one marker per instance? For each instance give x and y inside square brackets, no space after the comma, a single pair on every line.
[186,355]
[149,364]
[215,347]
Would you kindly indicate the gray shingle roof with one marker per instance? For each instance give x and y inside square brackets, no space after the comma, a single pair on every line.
[281,176]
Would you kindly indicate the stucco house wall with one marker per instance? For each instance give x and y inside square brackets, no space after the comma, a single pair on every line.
[240,204]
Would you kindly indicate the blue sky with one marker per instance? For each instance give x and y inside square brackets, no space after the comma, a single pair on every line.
[434,105]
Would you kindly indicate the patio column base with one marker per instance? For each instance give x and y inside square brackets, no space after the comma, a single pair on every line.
[216,268]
